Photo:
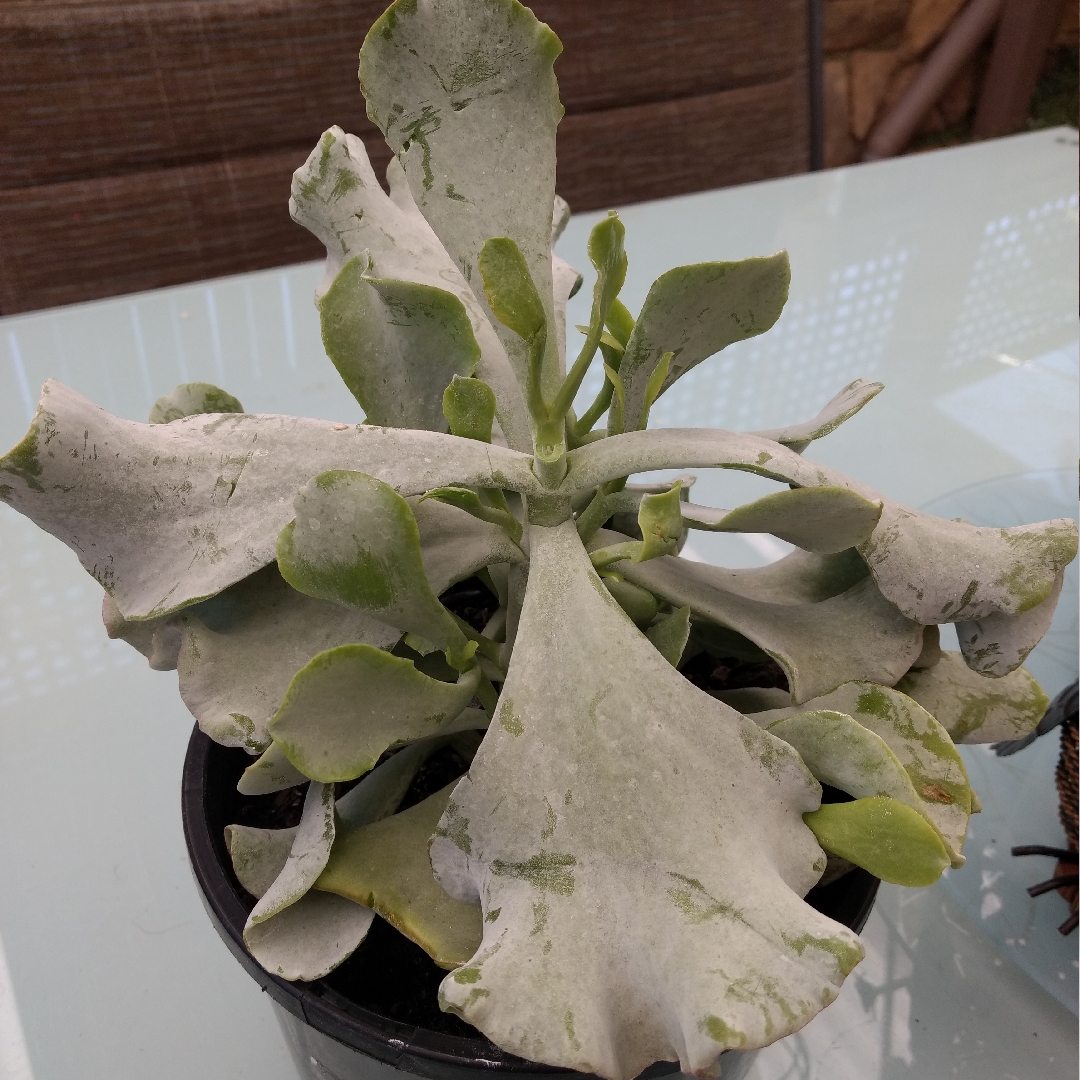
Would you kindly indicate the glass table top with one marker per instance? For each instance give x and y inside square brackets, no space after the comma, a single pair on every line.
[949,276]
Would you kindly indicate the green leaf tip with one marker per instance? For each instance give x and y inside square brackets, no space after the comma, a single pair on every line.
[510,289]
[193,399]
[469,407]
[889,839]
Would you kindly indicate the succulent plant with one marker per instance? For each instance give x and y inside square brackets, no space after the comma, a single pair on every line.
[618,878]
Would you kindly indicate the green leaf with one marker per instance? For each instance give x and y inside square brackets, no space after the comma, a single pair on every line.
[842,407]
[166,515]
[352,703]
[469,406]
[660,522]
[466,499]
[826,520]
[973,708]
[193,399]
[706,862]
[355,540]
[509,288]
[670,635]
[396,344]
[467,99]
[920,744]
[338,198]
[638,603]
[892,841]
[385,866]
[694,312]
[620,322]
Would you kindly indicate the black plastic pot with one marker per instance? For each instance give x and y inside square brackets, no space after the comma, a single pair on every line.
[334,1038]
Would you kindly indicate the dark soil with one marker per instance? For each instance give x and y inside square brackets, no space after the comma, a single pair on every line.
[714,675]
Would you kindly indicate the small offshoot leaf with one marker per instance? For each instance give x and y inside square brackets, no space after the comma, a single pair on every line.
[469,407]
[891,840]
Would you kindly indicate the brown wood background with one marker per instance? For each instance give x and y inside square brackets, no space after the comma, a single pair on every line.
[149,142]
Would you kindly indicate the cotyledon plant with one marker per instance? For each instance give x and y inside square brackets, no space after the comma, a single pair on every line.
[619,876]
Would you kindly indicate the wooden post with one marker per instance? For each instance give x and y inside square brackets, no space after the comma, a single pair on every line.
[1024,34]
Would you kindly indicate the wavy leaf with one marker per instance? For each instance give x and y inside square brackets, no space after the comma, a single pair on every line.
[999,643]
[241,649]
[272,771]
[856,634]
[972,707]
[694,312]
[939,571]
[609,890]
[473,124]
[840,752]
[338,198]
[352,703]
[166,515]
[385,866]
[309,938]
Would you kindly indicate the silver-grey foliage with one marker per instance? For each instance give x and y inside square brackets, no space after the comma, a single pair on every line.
[619,877]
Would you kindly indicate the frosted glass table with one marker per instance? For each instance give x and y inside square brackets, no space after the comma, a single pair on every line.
[949,276]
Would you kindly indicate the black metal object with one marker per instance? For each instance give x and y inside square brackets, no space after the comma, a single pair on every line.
[209,802]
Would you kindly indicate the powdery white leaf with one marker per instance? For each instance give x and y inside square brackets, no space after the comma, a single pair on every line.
[800,577]
[385,866]
[972,707]
[856,634]
[338,198]
[565,282]
[307,856]
[999,643]
[165,515]
[159,640]
[939,571]
[842,407]
[920,744]
[826,520]
[242,647]
[465,94]
[638,852]
[352,703]
[273,771]
[840,752]
[694,312]
[596,463]
[310,937]
[454,545]
[258,855]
